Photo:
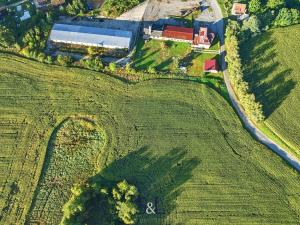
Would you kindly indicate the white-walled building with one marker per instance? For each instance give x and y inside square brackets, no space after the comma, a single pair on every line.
[91,36]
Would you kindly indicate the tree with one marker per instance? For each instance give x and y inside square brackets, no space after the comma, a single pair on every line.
[7,38]
[284,18]
[252,24]
[255,6]
[273,4]
[125,194]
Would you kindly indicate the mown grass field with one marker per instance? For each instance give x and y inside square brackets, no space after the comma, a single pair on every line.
[162,55]
[179,142]
[272,68]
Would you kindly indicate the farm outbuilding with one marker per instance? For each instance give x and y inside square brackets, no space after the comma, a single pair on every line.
[91,36]
[211,66]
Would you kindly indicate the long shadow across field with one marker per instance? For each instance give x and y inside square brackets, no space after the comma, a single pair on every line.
[158,178]
[270,84]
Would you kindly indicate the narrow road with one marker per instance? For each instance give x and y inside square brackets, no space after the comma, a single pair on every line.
[250,126]
[12,5]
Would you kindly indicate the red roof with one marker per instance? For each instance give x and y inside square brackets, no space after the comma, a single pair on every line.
[178,33]
[211,65]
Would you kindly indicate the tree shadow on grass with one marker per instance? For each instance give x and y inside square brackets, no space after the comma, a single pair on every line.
[270,85]
[159,178]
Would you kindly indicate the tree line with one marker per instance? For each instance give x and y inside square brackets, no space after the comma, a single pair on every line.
[241,87]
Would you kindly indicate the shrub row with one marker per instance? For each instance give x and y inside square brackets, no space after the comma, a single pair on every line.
[241,87]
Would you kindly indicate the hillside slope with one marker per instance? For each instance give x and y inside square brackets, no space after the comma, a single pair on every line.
[180,142]
[272,65]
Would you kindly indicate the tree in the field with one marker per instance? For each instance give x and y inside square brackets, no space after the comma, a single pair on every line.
[124,195]
[273,4]
[255,6]
[7,38]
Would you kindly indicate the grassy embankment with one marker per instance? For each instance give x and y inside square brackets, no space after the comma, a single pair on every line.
[272,68]
[178,141]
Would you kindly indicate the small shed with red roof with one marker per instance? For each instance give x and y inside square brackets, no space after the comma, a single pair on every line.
[211,66]
[178,33]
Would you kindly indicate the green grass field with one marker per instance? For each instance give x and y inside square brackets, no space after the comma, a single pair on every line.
[272,68]
[179,142]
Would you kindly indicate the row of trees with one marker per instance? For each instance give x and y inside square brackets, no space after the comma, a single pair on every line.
[235,72]
[110,205]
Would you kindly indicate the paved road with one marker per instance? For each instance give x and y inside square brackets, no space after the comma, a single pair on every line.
[250,126]
[12,5]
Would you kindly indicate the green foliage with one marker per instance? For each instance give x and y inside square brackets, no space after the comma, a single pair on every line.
[247,100]
[112,66]
[7,38]
[273,4]
[287,17]
[92,63]
[64,60]
[253,24]
[91,197]
[76,7]
[255,6]
[114,8]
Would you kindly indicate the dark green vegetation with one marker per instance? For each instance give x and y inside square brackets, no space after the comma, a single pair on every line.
[7,2]
[114,8]
[95,203]
[272,69]
[179,142]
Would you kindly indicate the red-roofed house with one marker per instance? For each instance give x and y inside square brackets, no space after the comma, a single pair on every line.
[176,33]
[238,9]
[204,39]
[211,66]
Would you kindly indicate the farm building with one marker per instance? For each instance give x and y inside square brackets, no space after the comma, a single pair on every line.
[238,9]
[204,39]
[211,66]
[91,36]
[178,33]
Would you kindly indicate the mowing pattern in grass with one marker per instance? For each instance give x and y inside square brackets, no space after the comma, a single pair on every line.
[272,67]
[72,156]
[178,141]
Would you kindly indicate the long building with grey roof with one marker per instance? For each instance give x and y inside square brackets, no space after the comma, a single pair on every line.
[91,36]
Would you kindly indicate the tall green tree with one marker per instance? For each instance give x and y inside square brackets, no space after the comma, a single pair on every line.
[255,6]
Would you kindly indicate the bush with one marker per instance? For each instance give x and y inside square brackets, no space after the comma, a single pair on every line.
[64,60]
[92,64]
[76,7]
[112,66]
[252,24]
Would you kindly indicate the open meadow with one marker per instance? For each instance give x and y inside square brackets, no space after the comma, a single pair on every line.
[179,142]
[272,63]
